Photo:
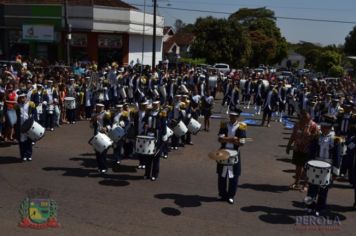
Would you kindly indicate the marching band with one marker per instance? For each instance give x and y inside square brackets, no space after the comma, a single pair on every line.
[146,113]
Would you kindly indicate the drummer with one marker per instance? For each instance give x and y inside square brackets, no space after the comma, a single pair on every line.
[232,136]
[25,110]
[325,148]
[123,122]
[71,93]
[155,126]
[101,122]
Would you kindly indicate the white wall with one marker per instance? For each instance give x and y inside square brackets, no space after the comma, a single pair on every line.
[135,49]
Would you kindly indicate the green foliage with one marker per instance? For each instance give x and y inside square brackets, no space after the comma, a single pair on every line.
[350,43]
[336,71]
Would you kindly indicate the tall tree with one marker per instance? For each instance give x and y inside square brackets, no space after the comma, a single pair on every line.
[179,25]
[267,44]
[350,43]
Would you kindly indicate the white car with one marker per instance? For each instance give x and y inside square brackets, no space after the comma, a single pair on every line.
[224,68]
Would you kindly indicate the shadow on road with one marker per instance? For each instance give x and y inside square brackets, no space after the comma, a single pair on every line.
[289,171]
[287,160]
[265,188]
[9,160]
[273,215]
[186,200]
[171,211]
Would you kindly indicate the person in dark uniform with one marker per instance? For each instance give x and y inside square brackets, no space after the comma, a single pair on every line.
[269,105]
[324,148]
[351,159]
[232,136]
[25,110]
[155,126]
[101,121]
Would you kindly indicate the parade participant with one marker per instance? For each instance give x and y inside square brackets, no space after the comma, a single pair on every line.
[324,148]
[138,120]
[62,94]
[235,97]
[71,93]
[345,121]
[232,136]
[155,126]
[291,99]
[207,107]
[187,139]
[88,100]
[334,107]
[122,119]
[246,96]
[101,122]
[351,159]
[195,105]
[270,102]
[228,86]
[175,120]
[25,110]
[305,130]
[282,99]
[258,98]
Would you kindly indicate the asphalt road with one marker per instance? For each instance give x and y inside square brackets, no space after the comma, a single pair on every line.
[181,202]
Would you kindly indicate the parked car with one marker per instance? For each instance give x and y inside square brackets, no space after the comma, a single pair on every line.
[222,67]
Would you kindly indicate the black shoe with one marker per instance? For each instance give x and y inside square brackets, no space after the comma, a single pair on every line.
[223,199]
[354,207]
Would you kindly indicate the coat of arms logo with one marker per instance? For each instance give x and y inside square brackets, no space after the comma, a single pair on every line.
[38,211]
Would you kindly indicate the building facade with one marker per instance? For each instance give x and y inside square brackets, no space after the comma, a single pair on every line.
[102,31]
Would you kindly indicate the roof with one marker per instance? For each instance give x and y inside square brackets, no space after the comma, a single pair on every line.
[108,3]
[180,39]
[166,29]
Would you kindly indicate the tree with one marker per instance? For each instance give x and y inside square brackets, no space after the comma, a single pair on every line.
[219,40]
[350,43]
[336,71]
[179,25]
[267,44]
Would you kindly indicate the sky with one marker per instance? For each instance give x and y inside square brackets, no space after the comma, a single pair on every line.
[294,31]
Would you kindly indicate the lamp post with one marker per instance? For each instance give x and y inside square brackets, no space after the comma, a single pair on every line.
[67,32]
[154,34]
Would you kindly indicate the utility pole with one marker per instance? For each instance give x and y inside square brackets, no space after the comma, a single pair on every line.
[67,32]
[154,34]
[143,35]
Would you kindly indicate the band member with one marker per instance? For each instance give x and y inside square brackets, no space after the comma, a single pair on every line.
[155,126]
[138,120]
[71,93]
[186,139]
[101,122]
[25,110]
[351,159]
[123,121]
[325,148]
[207,107]
[282,98]
[232,135]
[269,105]
[258,97]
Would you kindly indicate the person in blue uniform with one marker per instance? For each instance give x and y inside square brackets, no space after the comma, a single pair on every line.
[101,122]
[351,159]
[155,126]
[232,135]
[25,110]
[324,148]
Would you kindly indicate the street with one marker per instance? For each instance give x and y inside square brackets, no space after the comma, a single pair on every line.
[181,202]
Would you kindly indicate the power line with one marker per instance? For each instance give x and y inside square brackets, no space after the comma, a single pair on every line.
[277,17]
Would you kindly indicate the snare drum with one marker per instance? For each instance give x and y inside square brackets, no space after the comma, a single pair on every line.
[194,126]
[101,142]
[233,158]
[50,109]
[180,129]
[145,145]
[318,172]
[32,129]
[117,133]
[169,134]
[69,103]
